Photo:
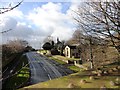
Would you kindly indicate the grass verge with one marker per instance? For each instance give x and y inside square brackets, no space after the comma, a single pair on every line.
[57,60]
[83,80]
[75,79]
[72,67]
[75,68]
[65,58]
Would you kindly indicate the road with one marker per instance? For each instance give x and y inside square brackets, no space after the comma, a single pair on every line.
[44,69]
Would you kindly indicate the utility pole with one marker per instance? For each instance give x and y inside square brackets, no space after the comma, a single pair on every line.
[91,54]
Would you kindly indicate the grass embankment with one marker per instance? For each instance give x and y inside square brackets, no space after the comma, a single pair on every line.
[75,80]
[79,80]
[75,68]
[65,58]
[57,60]
[86,79]
[22,75]
[70,66]
[42,51]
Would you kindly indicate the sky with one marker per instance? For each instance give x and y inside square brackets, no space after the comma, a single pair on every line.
[34,21]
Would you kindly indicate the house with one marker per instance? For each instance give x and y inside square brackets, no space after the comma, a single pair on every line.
[72,51]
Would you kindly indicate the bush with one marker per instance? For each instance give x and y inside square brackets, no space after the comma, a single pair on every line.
[71,85]
[92,78]
[112,83]
[99,74]
[55,52]
[83,81]
[103,87]
[106,72]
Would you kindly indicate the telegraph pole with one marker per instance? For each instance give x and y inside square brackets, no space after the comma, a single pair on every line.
[91,54]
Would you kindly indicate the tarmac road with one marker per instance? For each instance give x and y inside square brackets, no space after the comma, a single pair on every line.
[44,69]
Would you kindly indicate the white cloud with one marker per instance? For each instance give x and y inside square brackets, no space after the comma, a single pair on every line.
[52,21]
[19,29]
[16,13]
[7,23]
[39,23]
[73,8]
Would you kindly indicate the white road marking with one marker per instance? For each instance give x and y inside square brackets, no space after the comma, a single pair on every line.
[34,61]
[49,76]
[44,69]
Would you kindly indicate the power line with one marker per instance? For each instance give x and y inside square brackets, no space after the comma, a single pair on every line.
[6,31]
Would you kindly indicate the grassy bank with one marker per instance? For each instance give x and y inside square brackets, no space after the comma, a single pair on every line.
[77,80]
[57,60]
[75,68]
[72,67]
[85,79]
[65,58]
[21,76]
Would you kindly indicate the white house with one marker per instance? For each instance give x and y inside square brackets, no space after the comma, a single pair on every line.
[72,51]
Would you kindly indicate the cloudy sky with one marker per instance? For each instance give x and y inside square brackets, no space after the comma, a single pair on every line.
[34,21]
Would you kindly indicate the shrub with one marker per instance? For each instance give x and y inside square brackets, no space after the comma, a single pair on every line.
[71,85]
[55,52]
[99,74]
[103,87]
[106,72]
[112,83]
[92,77]
[117,81]
[83,81]
[115,69]
[118,67]
[110,71]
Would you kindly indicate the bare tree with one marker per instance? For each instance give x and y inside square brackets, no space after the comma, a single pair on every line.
[102,20]
[17,45]
[7,9]
[86,44]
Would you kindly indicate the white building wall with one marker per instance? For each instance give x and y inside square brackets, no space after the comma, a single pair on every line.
[67,50]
